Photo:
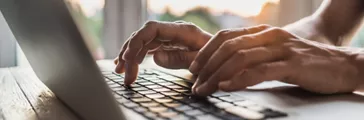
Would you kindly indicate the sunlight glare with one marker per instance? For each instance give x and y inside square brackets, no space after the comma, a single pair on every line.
[244,8]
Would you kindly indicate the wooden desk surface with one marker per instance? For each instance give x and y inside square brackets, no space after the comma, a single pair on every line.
[24,97]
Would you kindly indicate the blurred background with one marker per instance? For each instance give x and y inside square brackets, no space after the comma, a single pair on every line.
[106,24]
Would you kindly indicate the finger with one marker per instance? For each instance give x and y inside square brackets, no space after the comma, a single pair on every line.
[120,62]
[245,59]
[187,34]
[149,47]
[263,72]
[131,72]
[116,60]
[216,41]
[174,59]
[229,47]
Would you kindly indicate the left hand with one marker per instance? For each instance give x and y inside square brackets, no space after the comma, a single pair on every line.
[272,54]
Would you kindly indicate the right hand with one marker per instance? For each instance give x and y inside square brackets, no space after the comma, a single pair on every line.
[156,38]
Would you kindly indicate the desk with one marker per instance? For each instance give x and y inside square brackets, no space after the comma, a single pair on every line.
[24,97]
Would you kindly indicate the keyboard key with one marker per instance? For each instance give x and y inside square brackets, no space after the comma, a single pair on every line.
[182,90]
[245,103]
[140,81]
[150,104]
[154,96]
[166,83]
[110,82]
[133,86]
[114,85]
[257,108]
[153,86]
[183,108]
[220,94]
[122,100]
[168,114]
[149,77]
[114,77]
[207,117]
[130,105]
[171,93]
[223,105]
[133,95]
[178,97]
[118,88]
[163,100]
[172,104]
[273,114]
[147,83]
[122,92]
[147,92]
[180,117]
[169,78]
[151,115]
[245,113]
[214,100]
[140,109]
[159,81]
[232,98]
[174,86]
[194,112]
[188,99]
[183,83]
[162,90]
[116,95]
[140,100]
[197,105]
[158,109]
[140,89]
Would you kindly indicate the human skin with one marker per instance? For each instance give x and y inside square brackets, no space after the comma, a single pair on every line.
[233,59]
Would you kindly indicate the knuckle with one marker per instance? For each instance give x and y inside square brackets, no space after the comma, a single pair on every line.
[223,33]
[228,46]
[241,54]
[262,69]
[279,32]
[276,30]
[264,26]
[190,26]
[150,23]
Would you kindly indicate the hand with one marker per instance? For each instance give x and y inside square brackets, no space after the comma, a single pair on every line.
[270,53]
[174,45]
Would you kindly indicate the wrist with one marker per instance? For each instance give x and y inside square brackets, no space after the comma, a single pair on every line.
[356,56]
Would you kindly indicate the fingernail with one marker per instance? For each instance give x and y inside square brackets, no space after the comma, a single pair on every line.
[194,89]
[193,67]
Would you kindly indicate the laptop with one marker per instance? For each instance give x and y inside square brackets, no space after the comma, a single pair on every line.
[56,50]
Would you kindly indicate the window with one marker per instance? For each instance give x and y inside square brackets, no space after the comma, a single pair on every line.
[213,15]
[107,23]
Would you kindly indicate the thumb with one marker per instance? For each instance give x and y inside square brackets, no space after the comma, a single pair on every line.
[174,59]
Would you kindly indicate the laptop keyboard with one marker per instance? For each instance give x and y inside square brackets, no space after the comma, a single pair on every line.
[159,95]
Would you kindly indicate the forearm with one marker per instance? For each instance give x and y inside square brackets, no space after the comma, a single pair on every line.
[357,57]
[308,28]
[333,21]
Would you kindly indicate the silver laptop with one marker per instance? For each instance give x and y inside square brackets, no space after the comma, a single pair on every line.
[55,48]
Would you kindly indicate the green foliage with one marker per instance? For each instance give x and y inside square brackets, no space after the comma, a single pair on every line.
[199,16]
